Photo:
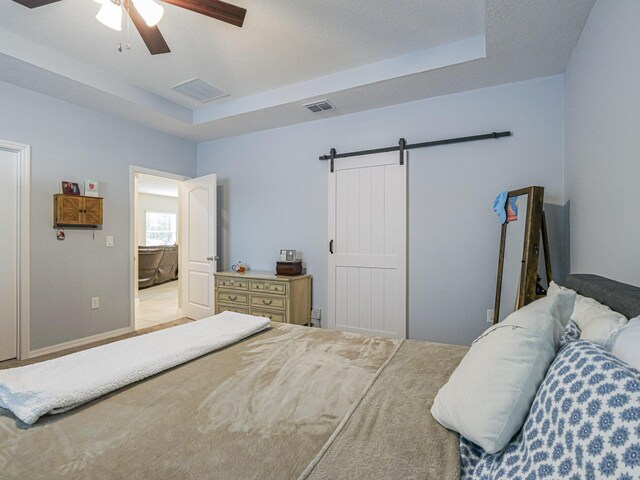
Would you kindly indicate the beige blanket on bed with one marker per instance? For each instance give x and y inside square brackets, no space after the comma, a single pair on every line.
[261,409]
[392,435]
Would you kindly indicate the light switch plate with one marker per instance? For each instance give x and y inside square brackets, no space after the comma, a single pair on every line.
[95,303]
[489,316]
[109,241]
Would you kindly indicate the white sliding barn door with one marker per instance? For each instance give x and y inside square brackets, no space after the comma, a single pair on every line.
[368,236]
[198,246]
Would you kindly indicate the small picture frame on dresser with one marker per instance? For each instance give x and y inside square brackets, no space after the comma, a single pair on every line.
[288,255]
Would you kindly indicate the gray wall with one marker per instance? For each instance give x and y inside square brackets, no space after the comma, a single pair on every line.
[273,193]
[602,143]
[72,143]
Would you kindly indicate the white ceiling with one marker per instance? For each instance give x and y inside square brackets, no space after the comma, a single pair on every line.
[153,185]
[359,54]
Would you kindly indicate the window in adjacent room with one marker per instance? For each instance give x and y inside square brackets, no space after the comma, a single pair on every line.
[160,228]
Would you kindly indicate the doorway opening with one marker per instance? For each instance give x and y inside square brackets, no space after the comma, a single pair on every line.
[156,242]
[160,292]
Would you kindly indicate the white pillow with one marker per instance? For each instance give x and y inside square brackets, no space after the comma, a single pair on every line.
[489,395]
[626,344]
[597,322]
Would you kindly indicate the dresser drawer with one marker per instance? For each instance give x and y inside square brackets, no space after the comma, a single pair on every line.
[233,283]
[273,316]
[229,308]
[262,301]
[279,288]
[225,296]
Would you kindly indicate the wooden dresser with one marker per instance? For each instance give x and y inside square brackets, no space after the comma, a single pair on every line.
[279,298]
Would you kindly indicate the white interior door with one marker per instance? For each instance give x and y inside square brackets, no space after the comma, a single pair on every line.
[9,257]
[198,247]
[368,237]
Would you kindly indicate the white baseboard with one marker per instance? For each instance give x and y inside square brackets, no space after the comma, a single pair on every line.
[78,343]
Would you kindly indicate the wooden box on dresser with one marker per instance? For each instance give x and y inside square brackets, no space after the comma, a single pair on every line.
[280,298]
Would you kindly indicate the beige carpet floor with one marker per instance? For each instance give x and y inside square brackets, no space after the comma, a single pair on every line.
[21,363]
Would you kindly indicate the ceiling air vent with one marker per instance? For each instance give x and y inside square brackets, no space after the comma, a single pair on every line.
[319,106]
[198,90]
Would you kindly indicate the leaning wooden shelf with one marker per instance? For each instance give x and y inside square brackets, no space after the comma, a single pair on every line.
[76,211]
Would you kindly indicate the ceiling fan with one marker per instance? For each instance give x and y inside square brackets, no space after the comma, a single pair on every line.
[145,14]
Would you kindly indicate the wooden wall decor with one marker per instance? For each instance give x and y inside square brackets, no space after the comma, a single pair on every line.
[76,211]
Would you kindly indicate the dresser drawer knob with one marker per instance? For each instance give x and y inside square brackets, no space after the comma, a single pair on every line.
[234,298]
[267,302]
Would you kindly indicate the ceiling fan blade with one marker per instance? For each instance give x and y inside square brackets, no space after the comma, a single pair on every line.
[213,8]
[35,3]
[151,36]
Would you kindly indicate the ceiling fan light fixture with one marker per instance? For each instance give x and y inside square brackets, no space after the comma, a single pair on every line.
[150,11]
[110,15]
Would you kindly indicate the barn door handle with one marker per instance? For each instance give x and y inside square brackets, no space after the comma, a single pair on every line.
[331,247]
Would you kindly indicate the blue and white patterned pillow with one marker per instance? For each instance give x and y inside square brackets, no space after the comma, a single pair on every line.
[571,334]
[584,424]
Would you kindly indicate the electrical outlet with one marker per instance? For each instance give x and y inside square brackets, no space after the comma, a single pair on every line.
[316,313]
[109,241]
[95,302]
[489,316]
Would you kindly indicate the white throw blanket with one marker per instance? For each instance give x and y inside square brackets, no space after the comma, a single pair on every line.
[63,383]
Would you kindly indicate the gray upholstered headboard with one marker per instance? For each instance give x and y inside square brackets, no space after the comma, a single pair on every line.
[620,297]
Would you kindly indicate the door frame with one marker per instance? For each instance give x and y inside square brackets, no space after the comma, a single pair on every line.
[23,152]
[133,170]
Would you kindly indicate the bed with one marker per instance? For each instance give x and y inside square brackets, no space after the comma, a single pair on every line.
[291,402]
[262,408]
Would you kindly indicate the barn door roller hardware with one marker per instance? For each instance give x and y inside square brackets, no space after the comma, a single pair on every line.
[402,146]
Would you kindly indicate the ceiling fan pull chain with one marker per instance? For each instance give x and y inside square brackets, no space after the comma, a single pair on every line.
[128,46]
